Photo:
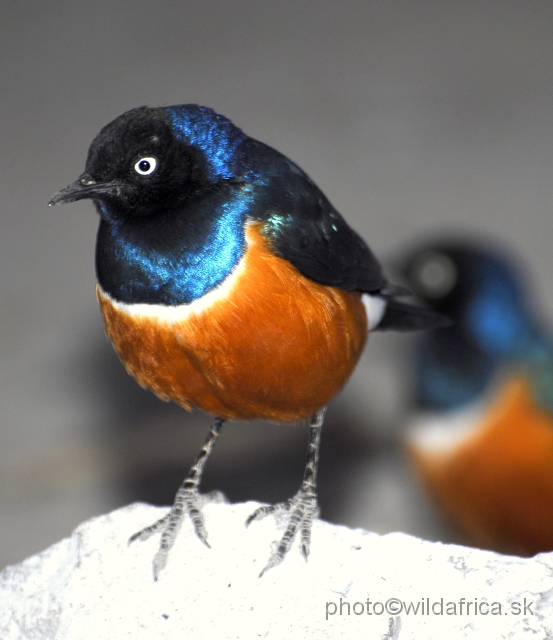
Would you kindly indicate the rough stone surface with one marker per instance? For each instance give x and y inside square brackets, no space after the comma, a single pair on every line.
[92,585]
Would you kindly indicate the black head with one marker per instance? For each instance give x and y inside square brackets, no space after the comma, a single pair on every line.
[478,287]
[449,275]
[152,159]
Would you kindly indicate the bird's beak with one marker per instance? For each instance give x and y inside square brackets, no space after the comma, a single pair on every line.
[84,187]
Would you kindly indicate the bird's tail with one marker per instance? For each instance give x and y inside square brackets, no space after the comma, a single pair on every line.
[407,317]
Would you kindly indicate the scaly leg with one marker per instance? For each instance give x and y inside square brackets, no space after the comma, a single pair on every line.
[188,500]
[303,506]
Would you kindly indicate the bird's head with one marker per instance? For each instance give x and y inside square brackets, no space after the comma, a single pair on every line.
[477,287]
[149,160]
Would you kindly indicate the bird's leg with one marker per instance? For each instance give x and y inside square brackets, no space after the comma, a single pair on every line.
[187,500]
[302,508]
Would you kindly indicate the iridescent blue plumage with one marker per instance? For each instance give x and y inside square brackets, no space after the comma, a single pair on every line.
[493,329]
[176,266]
[496,316]
[214,134]
[450,381]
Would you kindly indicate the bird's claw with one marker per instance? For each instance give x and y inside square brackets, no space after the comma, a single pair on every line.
[302,509]
[189,502]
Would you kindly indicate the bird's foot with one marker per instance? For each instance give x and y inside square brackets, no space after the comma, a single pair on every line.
[301,510]
[187,501]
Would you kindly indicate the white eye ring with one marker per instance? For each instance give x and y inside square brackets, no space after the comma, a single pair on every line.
[435,273]
[146,166]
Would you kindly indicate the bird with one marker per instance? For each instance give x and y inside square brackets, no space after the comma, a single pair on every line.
[482,439]
[228,282]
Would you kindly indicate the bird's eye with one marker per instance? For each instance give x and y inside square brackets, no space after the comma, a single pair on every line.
[146,166]
[435,274]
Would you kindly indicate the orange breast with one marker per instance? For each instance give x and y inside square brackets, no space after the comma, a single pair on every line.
[272,344]
[498,483]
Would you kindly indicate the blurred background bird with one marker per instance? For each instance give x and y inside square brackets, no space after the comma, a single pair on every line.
[483,440]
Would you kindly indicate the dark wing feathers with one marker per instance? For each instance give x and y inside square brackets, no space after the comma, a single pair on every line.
[308,232]
[305,229]
[338,258]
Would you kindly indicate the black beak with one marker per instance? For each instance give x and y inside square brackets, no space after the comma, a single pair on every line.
[84,187]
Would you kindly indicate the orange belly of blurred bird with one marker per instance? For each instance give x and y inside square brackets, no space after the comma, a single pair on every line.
[268,343]
[497,483]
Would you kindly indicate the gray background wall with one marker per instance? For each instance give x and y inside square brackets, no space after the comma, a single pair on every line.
[413,116]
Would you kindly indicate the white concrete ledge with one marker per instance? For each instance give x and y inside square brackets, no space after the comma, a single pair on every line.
[92,585]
